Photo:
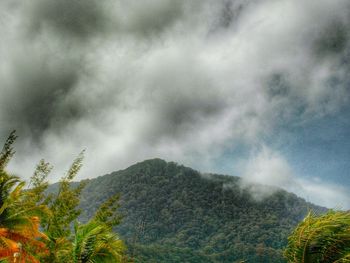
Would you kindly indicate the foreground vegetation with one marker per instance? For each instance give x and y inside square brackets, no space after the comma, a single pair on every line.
[321,239]
[35,227]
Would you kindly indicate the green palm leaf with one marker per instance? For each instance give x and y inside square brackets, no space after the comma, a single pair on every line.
[321,239]
[95,242]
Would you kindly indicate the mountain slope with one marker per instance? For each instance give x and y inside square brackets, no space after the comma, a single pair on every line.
[174,214]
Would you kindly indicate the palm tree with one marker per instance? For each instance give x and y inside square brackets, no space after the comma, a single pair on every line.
[19,227]
[95,242]
[20,238]
[321,239]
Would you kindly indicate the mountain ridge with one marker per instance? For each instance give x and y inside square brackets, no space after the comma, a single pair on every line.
[173,213]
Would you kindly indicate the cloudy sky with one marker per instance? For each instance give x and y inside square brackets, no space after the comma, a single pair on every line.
[255,88]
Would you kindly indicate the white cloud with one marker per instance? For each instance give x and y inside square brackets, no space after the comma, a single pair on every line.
[181,80]
[268,167]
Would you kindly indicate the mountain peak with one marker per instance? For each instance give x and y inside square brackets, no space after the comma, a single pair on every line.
[209,217]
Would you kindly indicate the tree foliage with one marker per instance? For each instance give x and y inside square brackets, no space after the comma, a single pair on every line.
[20,237]
[64,204]
[95,242]
[175,214]
[24,212]
[7,151]
[321,239]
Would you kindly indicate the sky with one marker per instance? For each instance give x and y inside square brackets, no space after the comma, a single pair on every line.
[257,89]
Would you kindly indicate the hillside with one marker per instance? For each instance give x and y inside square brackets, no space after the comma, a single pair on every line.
[174,214]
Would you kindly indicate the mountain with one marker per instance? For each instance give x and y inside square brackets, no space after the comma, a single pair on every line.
[176,214]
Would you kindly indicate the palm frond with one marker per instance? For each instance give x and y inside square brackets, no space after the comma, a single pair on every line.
[95,242]
[321,239]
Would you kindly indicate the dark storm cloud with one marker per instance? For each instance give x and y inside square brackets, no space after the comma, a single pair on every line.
[44,64]
[332,40]
[38,89]
[277,85]
[74,18]
[177,116]
[183,80]
[230,13]
[150,17]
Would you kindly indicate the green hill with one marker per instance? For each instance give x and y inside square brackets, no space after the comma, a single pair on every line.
[174,214]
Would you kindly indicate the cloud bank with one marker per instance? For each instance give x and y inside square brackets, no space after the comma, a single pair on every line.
[267,167]
[181,80]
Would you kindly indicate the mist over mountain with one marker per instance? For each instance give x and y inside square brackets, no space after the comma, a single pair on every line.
[173,213]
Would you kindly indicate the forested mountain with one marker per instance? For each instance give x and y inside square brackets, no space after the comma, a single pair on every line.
[172,213]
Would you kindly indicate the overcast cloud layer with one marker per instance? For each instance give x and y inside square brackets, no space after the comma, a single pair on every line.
[181,80]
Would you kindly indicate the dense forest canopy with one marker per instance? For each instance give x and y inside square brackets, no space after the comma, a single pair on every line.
[171,212]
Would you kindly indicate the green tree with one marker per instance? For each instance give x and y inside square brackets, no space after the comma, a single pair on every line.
[20,238]
[64,203]
[63,206]
[91,242]
[22,211]
[95,242]
[321,239]
[107,212]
